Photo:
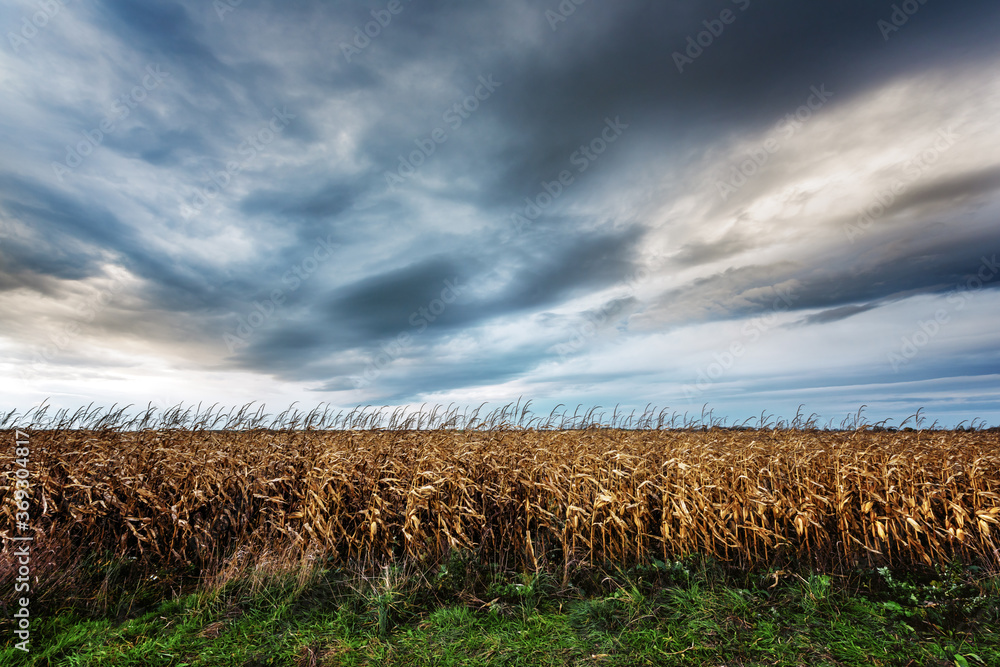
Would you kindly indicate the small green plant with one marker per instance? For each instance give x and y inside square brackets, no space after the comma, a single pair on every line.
[623,609]
[954,600]
[384,598]
[816,590]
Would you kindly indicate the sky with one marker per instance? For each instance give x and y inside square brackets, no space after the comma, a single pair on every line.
[742,204]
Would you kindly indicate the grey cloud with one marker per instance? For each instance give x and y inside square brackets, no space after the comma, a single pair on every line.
[930,266]
[693,254]
[837,314]
[949,190]
[375,310]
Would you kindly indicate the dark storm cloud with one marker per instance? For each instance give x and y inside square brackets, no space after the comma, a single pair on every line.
[376,310]
[568,265]
[392,249]
[71,238]
[844,287]
[621,62]
[213,97]
[67,236]
[380,306]
[311,209]
[837,314]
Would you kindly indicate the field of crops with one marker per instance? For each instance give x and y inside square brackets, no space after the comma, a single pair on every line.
[530,499]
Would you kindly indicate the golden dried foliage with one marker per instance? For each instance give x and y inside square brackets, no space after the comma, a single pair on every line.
[533,499]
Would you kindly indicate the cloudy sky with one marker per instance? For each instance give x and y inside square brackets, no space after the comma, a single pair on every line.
[742,203]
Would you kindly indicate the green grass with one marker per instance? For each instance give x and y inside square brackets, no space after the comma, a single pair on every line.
[688,613]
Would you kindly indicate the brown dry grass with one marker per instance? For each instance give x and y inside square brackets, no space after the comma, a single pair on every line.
[525,498]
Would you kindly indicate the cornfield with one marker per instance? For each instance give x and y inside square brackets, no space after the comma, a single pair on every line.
[533,498]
